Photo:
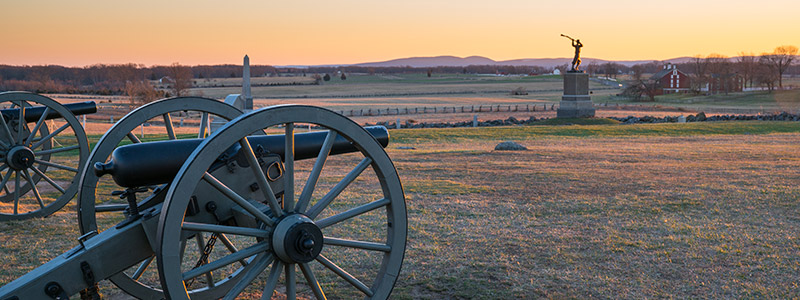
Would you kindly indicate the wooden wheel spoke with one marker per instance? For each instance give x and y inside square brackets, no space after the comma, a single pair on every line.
[291,282]
[34,189]
[55,165]
[345,275]
[168,125]
[49,180]
[230,246]
[142,267]
[5,180]
[226,260]
[133,138]
[358,244]
[38,125]
[288,166]
[315,210]
[57,150]
[16,192]
[258,266]
[203,124]
[49,136]
[272,280]
[350,213]
[261,177]
[312,281]
[225,229]
[238,199]
[308,189]
[22,123]
[200,246]
[7,131]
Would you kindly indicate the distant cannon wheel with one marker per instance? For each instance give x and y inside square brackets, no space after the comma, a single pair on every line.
[167,119]
[38,165]
[346,231]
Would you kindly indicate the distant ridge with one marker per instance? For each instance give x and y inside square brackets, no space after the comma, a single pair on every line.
[454,61]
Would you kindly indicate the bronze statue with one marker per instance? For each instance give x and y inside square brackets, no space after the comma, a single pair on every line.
[576,62]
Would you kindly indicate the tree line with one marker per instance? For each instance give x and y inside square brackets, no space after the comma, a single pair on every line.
[766,70]
[136,80]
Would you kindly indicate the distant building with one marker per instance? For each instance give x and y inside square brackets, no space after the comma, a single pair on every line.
[166,80]
[725,83]
[671,80]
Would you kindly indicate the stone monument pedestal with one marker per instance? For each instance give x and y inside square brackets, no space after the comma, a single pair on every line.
[576,102]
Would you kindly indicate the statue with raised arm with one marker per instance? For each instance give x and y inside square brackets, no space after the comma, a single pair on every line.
[576,62]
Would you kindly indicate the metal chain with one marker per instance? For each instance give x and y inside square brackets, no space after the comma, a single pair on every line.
[204,257]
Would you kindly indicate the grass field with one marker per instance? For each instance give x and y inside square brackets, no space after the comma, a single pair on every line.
[400,85]
[596,211]
[742,102]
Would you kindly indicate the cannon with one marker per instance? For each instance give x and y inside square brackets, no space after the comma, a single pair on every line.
[39,165]
[236,213]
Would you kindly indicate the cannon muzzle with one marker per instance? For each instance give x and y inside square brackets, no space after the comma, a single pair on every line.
[33,113]
[154,163]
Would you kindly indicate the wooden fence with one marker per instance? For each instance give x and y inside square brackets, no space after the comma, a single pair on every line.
[446,109]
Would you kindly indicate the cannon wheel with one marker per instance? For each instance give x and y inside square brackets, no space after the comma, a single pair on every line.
[125,130]
[57,157]
[299,233]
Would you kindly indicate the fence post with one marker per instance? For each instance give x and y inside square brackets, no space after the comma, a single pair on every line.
[398,124]
[475,121]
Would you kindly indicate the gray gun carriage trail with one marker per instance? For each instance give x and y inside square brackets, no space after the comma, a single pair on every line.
[234,188]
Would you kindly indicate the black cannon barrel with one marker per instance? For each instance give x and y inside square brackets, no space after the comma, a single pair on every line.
[33,113]
[154,163]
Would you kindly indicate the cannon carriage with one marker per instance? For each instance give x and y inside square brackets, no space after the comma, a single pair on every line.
[237,213]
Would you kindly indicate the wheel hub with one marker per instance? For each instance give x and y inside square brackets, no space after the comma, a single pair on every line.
[297,239]
[20,157]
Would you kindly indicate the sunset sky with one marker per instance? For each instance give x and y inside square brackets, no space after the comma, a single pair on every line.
[303,32]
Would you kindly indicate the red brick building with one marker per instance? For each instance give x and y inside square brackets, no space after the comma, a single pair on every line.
[725,83]
[671,80]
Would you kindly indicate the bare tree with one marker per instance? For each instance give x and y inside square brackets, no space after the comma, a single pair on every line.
[720,71]
[746,65]
[639,88]
[181,79]
[699,73]
[638,72]
[764,75]
[592,68]
[610,69]
[141,92]
[780,60]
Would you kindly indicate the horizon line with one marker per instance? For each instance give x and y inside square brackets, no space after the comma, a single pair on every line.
[345,64]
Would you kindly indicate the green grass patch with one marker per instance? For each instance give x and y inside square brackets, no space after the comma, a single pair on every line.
[638,130]
[768,101]
[577,121]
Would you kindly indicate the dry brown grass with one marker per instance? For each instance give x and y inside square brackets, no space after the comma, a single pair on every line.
[686,217]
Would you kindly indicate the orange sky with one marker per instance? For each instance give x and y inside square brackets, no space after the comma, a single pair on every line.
[303,32]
